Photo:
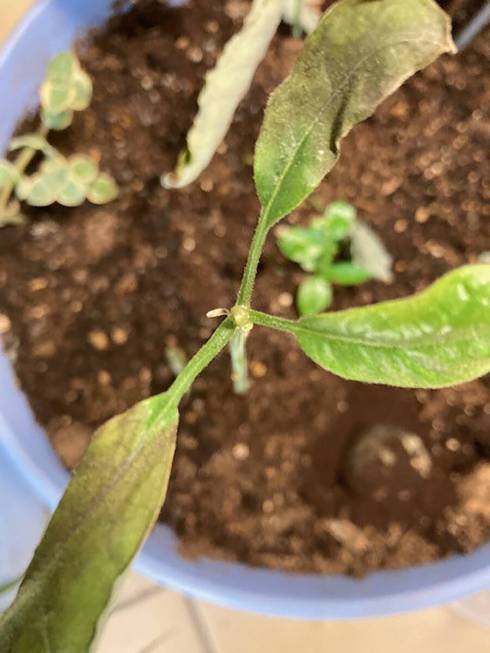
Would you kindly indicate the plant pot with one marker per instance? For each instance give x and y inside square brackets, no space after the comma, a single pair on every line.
[22,66]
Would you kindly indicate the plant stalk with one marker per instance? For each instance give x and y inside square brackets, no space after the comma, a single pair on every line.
[250,273]
[239,365]
[201,360]
[21,162]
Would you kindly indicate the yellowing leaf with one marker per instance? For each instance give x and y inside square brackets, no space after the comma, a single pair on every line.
[225,87]
[111,503]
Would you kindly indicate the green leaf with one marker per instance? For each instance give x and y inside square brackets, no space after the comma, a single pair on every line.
[41,192]
[73,193]
[103,190]
[339,220]
[302,245]
[56,121]
[314,295]
[369,253]
[57,97]
[346,273]
[8,173]
[224,89]
[83,168]
[111,504]
[360,53]
[62,67]
[54,175]
[83,91]
[434,339]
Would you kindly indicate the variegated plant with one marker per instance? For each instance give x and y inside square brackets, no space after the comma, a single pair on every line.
[361,51]
[70,181]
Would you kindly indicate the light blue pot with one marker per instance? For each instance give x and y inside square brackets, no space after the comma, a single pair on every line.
[52,26]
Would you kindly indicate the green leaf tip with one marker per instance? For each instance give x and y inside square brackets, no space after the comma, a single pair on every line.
[360,53]
[111,504]
[436,338]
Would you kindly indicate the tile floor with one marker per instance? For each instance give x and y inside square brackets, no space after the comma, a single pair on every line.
[150,619]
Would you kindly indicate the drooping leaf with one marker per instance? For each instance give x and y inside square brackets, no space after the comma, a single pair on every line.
[56,121]
[360,53]
[314,295]
[370,254]
[83,168]
[103,190]
[225,87]
[8,173]
[299,12]
[433,339]
[111,503]
[345,273]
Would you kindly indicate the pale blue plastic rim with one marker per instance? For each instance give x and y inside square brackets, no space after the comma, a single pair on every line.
[50,27]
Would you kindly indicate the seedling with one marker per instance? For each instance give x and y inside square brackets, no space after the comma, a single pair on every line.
[359,54]
[70,181]
[336,249]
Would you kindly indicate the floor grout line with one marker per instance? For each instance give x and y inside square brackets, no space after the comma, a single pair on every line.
[134,600]
[201,626]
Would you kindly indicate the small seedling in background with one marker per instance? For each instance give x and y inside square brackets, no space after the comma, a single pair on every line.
[336,249]
[70,181]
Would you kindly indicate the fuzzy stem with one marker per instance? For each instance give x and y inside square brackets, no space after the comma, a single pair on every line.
[250,273]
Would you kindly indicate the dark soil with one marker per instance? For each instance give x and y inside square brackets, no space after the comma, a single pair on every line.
[285,477]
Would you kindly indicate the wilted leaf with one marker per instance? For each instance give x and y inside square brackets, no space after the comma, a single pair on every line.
[436,338]
[56,121]
[370,254]
[83,168]
[359,54]
[224,89]
[314,295]
[103,190]
[111,504]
